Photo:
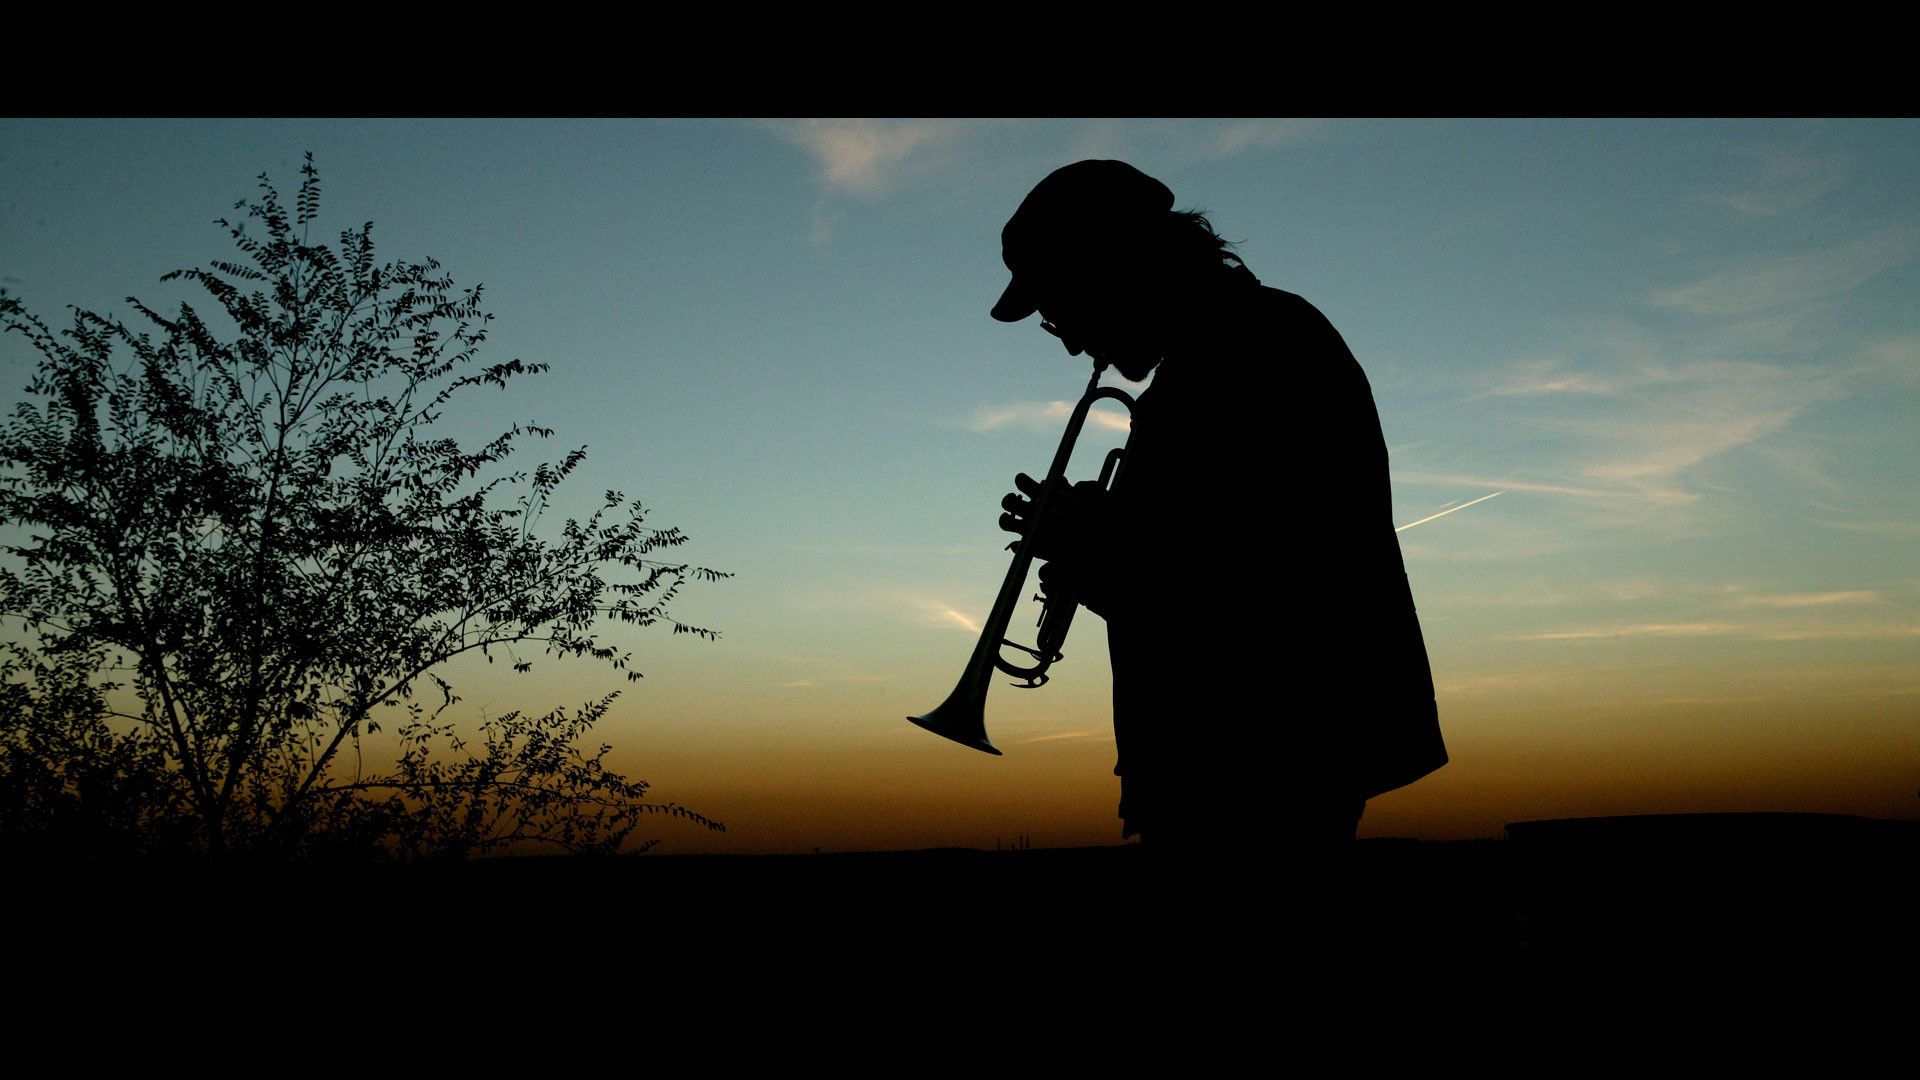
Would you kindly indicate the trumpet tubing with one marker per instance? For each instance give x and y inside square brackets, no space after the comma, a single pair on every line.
[962,716]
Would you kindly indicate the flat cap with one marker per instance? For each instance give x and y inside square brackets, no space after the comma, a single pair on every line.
[1094,203]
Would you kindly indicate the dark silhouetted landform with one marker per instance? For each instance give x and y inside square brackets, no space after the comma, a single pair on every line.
[1709,887]
[1666,891]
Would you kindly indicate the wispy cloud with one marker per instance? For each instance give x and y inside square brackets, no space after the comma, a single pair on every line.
[1805,463]
[1690,629]
[1899,530]
[1040,415]
[865,156]
[1629,422]
[1794,278]
[1653,469]
[1689,412]
[1234,137]
[1855,632]
[933,612]
[1813,599]
[1897,358]
[1778,182]
[1060,737]
[1533,378]
[818,680]
[1505,483]
[1691,609]
[1574,383]
[1559,593]
[1878,693]
[1505,682]
[1745,631]
[863,159]
[1144,141]
[1020,414]
[932,607]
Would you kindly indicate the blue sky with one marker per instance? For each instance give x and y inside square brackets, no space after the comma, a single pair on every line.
[1685,352]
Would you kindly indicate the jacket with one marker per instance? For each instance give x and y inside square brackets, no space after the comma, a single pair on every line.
[1265,645]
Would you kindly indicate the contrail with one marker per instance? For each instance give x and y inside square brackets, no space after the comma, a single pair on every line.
[1444,513]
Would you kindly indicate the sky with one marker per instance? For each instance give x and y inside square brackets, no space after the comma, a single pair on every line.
[1686,354]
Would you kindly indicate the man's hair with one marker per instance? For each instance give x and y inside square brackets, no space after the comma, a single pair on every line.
[1192,240]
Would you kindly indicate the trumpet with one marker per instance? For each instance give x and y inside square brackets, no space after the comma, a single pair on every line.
[962,717]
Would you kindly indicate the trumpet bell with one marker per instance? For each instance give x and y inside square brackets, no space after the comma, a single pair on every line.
[962,718]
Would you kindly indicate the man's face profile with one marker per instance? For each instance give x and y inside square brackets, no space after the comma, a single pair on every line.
[1134,360]
[1109,316]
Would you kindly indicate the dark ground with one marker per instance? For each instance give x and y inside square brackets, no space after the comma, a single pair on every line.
[1679,891]
[1568,941]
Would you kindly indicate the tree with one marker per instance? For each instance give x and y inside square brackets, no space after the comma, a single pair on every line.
[237,547]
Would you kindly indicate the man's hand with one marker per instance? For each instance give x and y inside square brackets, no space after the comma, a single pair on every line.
[1070,519]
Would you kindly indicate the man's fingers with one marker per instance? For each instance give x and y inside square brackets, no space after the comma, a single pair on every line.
[1019,510]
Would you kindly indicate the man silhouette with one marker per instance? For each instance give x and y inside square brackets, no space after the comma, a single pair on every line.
[1269,674]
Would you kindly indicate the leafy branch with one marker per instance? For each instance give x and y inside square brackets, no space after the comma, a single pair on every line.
[251,505]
